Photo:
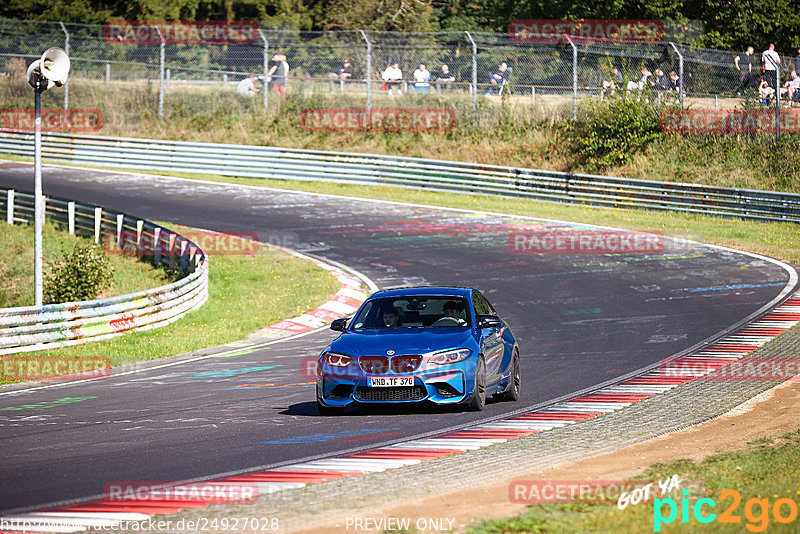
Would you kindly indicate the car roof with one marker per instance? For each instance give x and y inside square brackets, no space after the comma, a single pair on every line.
[446,291]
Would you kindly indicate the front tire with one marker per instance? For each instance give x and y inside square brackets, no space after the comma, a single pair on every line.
[515,381]
[478,401]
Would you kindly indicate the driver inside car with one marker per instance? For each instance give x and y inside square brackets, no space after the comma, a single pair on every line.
[391,319]
[452,315]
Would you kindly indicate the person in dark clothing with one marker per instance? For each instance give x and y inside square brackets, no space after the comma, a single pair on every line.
[744,64]
[797,60]
[341,74]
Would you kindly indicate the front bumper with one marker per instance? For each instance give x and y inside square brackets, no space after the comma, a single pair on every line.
[442,386]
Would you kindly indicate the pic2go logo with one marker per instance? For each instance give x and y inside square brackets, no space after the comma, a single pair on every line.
[756,511]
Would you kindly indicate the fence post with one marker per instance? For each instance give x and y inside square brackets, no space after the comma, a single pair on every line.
[474,79]
[169,75]
[98,218]
[71,217]
[161,73]
[680,72]
[574,78]
[120,222]
[156,246]
[533,95]
[66,49]
[266,68]
[778,101]
[369,69]
[108,73]
[10,207]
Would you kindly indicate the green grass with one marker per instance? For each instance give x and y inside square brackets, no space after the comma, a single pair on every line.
[246,293]
[16,265]
[766,469]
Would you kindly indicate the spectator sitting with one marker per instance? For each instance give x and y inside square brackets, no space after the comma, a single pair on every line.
[674,84]
[614,83]
[247,86]
[791,88]
[498,79]
[341,75]
[640,85]
[445,76]
[765,92]
[392,77]
[421,78]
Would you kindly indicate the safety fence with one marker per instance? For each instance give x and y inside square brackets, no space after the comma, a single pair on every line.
[31,328]
[406,172]
[175,79]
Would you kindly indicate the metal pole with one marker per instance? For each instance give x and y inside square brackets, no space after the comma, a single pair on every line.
[66,49]
[474,78]
[680,72]
[369,69]
[777,101]
[161,74]
[38,285]
[574,79]
[108,73]
[169,75]
[266,68]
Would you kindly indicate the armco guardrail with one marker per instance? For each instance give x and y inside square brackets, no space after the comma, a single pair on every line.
[33,328]
[416,173]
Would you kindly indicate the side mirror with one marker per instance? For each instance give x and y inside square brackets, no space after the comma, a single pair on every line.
[340,325]
[489,321]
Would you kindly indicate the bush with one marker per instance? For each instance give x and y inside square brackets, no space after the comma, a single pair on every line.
[609,134]
[80,275]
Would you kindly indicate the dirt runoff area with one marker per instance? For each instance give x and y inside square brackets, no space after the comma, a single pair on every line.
[769,414]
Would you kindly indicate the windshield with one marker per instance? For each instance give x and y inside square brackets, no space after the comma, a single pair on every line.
[414,312]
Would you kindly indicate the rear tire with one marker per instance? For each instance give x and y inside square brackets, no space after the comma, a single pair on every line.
[515,381]
[478,401]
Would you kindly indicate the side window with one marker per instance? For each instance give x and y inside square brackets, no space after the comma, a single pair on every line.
[482,306]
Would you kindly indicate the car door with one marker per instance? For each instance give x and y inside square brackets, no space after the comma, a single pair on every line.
[490,340]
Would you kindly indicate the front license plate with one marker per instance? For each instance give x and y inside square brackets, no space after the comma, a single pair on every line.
[389,381]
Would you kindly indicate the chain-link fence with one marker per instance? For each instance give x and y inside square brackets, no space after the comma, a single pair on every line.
[167,79]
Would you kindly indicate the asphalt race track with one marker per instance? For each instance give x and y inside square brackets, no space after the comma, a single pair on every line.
[580,319]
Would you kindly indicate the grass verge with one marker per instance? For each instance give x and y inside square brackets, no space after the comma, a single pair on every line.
[766,471]
[246,293]
[16,265]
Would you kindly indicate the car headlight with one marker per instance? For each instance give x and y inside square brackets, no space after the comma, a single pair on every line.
[337,360]
[449,356]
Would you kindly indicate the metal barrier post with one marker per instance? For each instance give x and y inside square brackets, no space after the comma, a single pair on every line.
[161,73]
[369,69]
[66,49]
[71,218]
[98,218]
[680,72]
[108,73]
[778,101]
[474,78]
[533,95]
[266,69]
[10,207]
[169,75]
[120,222]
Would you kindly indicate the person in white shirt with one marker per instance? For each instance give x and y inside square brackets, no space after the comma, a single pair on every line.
[421,78]
[393,76]
[791,88]
[247,86]
[770,61]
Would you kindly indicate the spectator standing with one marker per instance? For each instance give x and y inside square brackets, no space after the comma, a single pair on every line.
[770,61]
[393,76]
[279,72]
[498,79]
[247,86]
[744,64]
[342,74]
[422,77]
[444,77]
[796,61]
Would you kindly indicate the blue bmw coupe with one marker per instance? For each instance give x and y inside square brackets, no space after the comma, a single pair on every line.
[445,345]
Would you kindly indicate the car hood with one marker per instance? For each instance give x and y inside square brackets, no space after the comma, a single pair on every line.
[406,341]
